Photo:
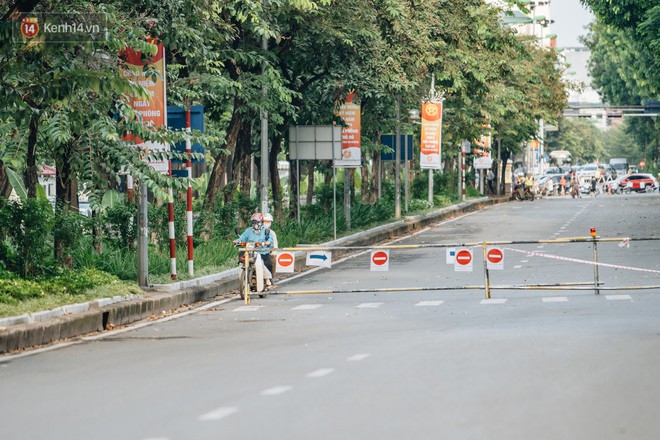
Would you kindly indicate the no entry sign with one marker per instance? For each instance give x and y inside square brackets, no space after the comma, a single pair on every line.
[285,262]
[380,260]
[495,258]
[463,260]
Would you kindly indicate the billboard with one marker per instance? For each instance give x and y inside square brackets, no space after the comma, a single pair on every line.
[430,145]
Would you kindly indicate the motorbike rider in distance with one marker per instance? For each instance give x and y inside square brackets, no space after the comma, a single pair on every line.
[259,234]
[271,237]
[529,182]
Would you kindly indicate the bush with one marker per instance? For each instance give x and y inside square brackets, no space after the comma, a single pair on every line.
[29,225]
[77,282]
[68,232]
[13,290]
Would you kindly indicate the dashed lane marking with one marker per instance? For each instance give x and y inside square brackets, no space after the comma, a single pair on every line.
[275,391]
[524,261]
[369,305]
[428,303]
[307,307]
[518,266]
[493,301]
[358,357]
[217,414]
[247,308]
[555,299]
[617,297]
[321,372]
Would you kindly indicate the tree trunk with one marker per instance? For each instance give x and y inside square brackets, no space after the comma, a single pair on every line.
[275,184]
[243,158]
[310,182]
[31,171]
[293,190]
[5,186]
[365,191]
[66,195]
[375,168]
[215,179]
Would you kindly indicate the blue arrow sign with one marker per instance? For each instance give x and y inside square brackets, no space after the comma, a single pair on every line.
[319,256]
[322,259]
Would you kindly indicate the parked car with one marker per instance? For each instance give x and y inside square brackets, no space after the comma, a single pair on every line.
[639,183]
[614,186]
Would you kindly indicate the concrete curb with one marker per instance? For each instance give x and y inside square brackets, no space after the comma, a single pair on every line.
[30,330]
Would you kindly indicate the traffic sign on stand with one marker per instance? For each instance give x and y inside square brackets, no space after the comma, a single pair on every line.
[319,258]
[380,260]
[451,255]
[463,260]
[285,262]
[495,259]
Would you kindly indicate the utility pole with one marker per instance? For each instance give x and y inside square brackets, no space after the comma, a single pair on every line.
[397,156]
[264,134]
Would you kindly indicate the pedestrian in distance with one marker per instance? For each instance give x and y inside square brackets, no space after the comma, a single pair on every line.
[562,185]
[271,237]
[491,181]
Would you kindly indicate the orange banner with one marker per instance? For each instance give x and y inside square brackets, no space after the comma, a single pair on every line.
[153,110]
[430,145]
[351,151]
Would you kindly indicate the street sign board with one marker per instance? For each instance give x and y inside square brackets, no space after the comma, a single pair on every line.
[451,255]
[380,260]
[495,259]
[285,262]
[463,260]
[319,258]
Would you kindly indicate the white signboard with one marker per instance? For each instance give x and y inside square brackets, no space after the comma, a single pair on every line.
[285,262]
[463,260]
[495,259]
[319,258]
[451,253]
[380,260]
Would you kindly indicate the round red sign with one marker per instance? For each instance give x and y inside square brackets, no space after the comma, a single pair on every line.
[379,258]
[285,260]
[463,257]
[495,256]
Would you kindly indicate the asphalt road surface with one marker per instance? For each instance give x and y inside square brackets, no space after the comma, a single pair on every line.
[526,364]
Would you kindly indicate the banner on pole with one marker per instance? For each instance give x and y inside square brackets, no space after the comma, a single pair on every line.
[154,109]
[350,136]
[430,145]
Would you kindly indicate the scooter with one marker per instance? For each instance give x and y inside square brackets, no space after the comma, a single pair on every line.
[251,275]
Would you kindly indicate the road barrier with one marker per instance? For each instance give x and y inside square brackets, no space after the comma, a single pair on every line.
[492,259]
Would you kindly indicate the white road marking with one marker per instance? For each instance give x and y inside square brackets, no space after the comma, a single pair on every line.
[555,299]
[428,303]
[247,308]
[157,438]
[358,357]
[307,307]
[517,266]
[369,305]
[321,372]
[540,247]
[617,297]
[276,390]
[218,414]
[524,261]
[493,301]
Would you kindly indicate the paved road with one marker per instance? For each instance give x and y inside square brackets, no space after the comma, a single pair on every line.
[418,365]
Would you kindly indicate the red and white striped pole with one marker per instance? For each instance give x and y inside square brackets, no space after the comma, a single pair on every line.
[463,172]
[170,224]
[189,216]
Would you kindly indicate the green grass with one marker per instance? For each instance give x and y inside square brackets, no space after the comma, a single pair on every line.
[51,301]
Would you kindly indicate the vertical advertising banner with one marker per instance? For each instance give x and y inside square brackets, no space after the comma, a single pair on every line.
[351,153]
[431,135]
[154,109]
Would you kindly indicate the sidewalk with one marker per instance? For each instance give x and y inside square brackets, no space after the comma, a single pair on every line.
[95,316]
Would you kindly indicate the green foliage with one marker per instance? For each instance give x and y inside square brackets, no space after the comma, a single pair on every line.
[14,290]
[76,282]
[581,138]
[69,229]
[121,225]
[28,226]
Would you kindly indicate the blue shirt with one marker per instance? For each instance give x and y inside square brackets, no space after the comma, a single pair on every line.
[262,237]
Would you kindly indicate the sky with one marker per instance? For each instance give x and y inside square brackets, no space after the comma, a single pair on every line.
[570,19]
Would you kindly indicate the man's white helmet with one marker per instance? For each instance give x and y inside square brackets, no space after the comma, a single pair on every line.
[268,217]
